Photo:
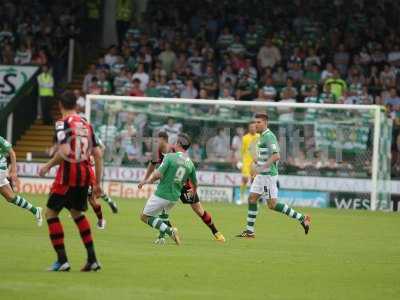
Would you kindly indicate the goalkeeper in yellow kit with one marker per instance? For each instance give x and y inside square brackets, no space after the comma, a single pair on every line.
[247,152]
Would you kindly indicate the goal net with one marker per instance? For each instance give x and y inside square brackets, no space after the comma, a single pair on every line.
[325,141]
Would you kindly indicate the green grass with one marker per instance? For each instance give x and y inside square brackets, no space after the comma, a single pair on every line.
[348,255]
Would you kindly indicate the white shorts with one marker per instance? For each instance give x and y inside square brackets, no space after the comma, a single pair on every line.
[265,185]
[155,205]
[3,178]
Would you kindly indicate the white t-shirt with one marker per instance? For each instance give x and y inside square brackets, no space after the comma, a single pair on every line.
[144,79]
[110,59]
[172,132]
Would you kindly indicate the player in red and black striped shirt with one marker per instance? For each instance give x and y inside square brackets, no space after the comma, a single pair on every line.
[187,196]
[75,144]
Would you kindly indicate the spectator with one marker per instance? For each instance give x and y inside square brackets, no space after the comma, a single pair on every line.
[136,90]
[286,114]
[218,147]
[88,78]
[268,56]
[289,90]
[337,85]
[296,73]
[103,83]
[94,88]
[111,57]
[168,59]
[172,129]
[341,59]
[189,91]
[246,88]
[80,102]
[237,47]
[225,39]
[387,77]
[23,55]
[209,82]
[392,99]
[312,58]
[268,90]
[280,76]
[142,76]
[196,63]
[122,82]
[327,73]
[248,67]
[152,90]
[7,55]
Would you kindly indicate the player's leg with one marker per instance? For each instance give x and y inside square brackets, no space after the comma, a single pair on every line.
[154,206]
[7,192]
[96,206]
[110,202]
[164,216]
[77,204]
[56,232]
[256,191]
[206,217]
[273,204]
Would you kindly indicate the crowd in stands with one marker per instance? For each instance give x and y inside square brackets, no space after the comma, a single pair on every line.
[347,52]
[36,32]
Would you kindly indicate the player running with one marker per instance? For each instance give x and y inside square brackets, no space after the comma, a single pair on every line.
[265,182]
[248,144]
[76,142]
[96,206]
[174,171]
[6,186]
[186,196]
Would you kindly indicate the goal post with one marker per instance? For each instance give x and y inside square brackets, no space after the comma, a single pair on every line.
[326,140]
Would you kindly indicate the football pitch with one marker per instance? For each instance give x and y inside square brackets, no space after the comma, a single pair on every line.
[347,255]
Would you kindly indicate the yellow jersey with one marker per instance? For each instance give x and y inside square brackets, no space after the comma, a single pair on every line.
[247,152]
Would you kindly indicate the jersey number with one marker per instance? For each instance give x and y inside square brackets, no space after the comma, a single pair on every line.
[180,173]
[81,147]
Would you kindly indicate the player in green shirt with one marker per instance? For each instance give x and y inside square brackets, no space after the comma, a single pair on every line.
[6,187]
[265,169]
[175,170]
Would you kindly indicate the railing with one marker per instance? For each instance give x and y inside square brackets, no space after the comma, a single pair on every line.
[20,112]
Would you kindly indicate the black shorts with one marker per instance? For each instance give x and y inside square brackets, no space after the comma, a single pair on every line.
[74,198]
[188,199]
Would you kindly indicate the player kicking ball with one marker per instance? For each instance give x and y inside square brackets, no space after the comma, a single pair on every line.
[187,197]
[6,187]
[174,171]
[264,185]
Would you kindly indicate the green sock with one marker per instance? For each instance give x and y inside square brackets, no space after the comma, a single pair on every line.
[106,198]
[251,216]
[165,218]
[23,203]
[159,225]
[284,209]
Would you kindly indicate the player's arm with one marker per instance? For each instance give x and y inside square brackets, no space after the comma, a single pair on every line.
[61,148]
[12,171]
[54,161]
[193,180]
[157,174]
[98,168]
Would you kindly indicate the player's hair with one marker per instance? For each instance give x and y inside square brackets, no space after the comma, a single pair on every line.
[67,100]
[261,116]
[163,135]
[183,141]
